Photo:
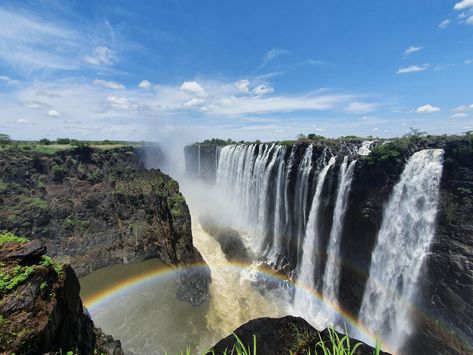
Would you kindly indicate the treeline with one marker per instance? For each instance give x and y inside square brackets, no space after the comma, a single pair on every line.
[6,140]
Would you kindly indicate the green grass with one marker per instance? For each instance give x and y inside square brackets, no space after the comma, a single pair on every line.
[48,261]
[11,279]
[11,238]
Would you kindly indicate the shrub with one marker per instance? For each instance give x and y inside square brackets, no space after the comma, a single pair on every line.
[11,238]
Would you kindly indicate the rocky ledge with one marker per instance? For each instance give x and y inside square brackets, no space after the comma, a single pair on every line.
[283,336]
[40,307]
[93,208]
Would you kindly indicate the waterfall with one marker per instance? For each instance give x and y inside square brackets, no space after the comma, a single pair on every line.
[365,148]
[331,278]
[403,242]
[311,248]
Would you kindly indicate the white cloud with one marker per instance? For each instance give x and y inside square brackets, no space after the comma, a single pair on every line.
[469,20]
[109,84]
[100,56]
[463,108]
[243,86]
[463,4]
[459,115]
[22,121]
[193,87]
[412,69]
[360,107]
[25,42]
[427,109]
[411,50]
[144,84]
[54,113]
[4,78]
[444,24]
[120,103]
[194,103]
[468,61]
[261,90]
[273,53]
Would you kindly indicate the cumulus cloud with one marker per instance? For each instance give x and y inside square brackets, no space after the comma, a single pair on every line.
[109,84]
[243,86]
[54,113]
[144,84]
[464,4]
[444,24]
[427,109]
[261,90]
[22,121]
[412,49]
[100,56]
[412,69]
[4,78]
[193,87]
[120,103]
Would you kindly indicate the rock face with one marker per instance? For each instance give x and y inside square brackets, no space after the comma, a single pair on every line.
[93,208]
[282,336]
[40,308]
[228,238]
[443,308]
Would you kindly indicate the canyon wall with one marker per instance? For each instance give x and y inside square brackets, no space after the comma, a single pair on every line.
[275,187]
[93,208]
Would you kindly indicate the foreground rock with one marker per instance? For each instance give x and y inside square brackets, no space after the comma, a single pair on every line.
[94,208]
[40,308]
[282,336]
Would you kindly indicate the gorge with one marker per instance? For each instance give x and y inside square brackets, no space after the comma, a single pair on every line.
[367,237]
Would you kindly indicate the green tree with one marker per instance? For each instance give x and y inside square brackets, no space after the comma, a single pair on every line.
[4,139]
[44,141]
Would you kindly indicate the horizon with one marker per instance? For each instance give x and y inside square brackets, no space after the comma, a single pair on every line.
[110,70]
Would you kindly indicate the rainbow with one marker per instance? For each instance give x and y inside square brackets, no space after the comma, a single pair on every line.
[96,301]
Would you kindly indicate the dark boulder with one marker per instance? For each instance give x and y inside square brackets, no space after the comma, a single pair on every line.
[282,336]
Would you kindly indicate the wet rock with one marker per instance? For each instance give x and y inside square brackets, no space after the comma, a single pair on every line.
[41,311]
[229,239]
[28,252]
[94,208]
[282,336]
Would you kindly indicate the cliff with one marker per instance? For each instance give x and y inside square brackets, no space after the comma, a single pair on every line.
[40,308]
[283,336]
[442,308]
[93,208]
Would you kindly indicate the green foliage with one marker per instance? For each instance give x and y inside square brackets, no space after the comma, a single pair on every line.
[11,279]
[216,141]
[4,139]
[43,285]
[337,345]
[58,172]
[389,150]
[44,141]
[48,262]
[11,238]
[63,141]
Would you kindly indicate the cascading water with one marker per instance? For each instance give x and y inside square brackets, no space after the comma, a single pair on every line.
[331,278]
[311,249]
[403,242]
[365,148]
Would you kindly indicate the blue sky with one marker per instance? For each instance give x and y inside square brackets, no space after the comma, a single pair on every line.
[242,69]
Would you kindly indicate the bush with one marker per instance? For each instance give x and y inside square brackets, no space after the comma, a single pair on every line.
[11,238]
[63,141]
[44,141]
